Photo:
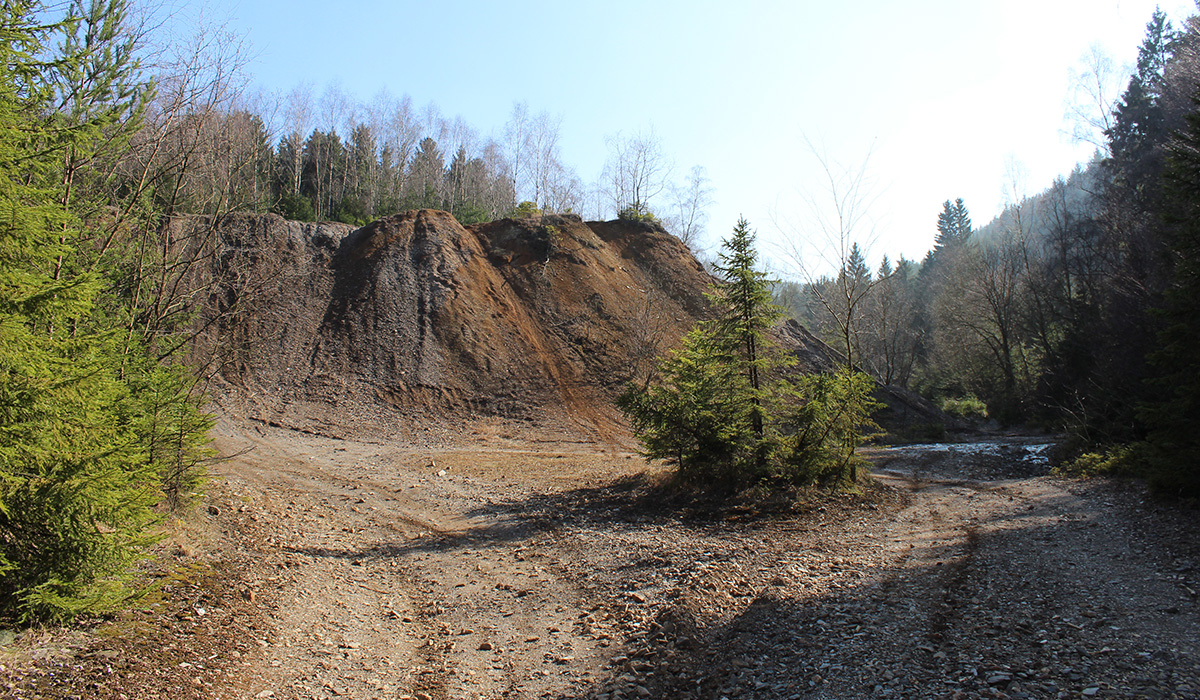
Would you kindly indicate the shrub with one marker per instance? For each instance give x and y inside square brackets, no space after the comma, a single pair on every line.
[1123,460]
[294,207]
[525,210]
[968,406]
[637,212]
[353,211]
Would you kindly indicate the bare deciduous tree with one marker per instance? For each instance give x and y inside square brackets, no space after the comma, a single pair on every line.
[838,220]
[299,114]
[892,330]
[1095,86]
[979,314]
[689,207]
[636,172]
[536,170]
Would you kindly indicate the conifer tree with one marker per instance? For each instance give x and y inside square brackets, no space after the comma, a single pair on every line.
[79,474]
[1139,127]
[1172,409]
[721,406]
[747,312]
[693,412]
[953,230]
[707,408]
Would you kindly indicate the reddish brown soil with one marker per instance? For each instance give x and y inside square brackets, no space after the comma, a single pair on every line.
[413,322]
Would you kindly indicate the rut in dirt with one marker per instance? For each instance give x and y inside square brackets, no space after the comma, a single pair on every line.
[929,585]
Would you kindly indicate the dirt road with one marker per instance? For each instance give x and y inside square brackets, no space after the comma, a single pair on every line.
[529,571]
[512,573]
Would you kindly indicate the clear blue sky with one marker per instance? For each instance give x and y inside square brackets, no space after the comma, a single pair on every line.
[944,95]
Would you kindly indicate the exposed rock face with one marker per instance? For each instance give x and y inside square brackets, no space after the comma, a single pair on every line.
[415,319]
[414,322]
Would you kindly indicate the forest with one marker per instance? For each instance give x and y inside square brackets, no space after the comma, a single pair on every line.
[1077,310]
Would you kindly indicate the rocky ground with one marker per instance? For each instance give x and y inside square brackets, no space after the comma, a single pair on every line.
[323,568]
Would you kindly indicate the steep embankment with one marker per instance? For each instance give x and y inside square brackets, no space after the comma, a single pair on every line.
[415,321]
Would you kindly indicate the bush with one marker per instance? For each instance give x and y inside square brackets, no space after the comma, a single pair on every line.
[637,212]
[351,211]
[525,210]
[693,413]
[968,406]
[467,214]
[1165,473]
[1123,460]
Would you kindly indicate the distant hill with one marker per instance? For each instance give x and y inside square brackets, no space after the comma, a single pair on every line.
[1072,196]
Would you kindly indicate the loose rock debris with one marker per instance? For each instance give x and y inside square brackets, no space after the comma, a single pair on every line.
[567,574]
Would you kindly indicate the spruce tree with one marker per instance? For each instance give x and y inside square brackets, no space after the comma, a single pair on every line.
[746,314]
[708,407]
[693,411]
[722,408]
[1172,409]
[953,230]
[80,476]
[1139,124]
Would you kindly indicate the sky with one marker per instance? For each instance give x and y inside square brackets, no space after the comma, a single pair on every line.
[923,101]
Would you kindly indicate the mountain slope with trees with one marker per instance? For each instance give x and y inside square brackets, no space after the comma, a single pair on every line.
[1067,310]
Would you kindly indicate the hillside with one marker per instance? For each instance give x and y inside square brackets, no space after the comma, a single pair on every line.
[414,324]
[415,321]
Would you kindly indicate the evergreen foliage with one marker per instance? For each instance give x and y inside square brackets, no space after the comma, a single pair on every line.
[953,226]
[1171,411]
[746,314]
[694,411]
[1139,126]
[953,232]
[85,415]
[830,417]
[723,408]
